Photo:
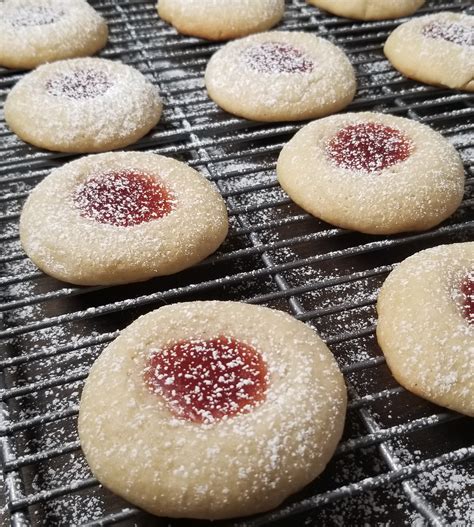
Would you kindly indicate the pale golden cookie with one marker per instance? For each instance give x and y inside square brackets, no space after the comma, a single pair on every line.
[33,32]
[121,217]
[369,9]
[221,19]
[280,76]
[83,105]
[373,173]
[212,410]
[426,325]
[437,49]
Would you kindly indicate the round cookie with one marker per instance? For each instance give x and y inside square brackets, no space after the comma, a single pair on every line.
[426,325]
[280,76]
[33,32]
[214,410]
[121,217]
[83,105]
[369,9]
[373,173]
[221,19]
[437,49]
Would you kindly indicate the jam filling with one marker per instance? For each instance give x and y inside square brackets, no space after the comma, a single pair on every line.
[34,16]
[124,198]
[368,147]
[467,297]
[80,84]
[204,381]
[452,32]
[277,57]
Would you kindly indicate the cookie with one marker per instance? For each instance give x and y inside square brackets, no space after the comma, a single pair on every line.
[221,19]
[214,410]
[121,217]
[33,32]
[426,325]
[83,105]
[369,9]
[437,49]
[373,173]
[280,76]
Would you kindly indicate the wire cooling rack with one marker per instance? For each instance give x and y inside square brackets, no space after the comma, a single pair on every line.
[402,461]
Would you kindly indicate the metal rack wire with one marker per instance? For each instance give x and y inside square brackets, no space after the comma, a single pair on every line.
[401,460]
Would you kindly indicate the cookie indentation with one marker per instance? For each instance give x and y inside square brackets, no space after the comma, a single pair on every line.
[79,85]
[455,32]
[207,380]
[277,57]
[124,198]
[368,147]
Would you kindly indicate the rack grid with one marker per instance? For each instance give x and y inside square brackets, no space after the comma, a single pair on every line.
[402,461]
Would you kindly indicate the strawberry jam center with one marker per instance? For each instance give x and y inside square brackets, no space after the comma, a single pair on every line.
[34,16]
[467,297]
[452,32]
[207,380]
[277,57]
[368,147]
[80,84]
[124,198]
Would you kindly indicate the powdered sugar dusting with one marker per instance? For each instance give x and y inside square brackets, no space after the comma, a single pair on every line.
[218,20]
[405,176]
[267,452]
[435,49]
[449,486]
[173,218]
[182,71]
[457,33]
[80,84]
[368,147]
[206,381]
[123,198]
[280,76]
[33,16]
[277,57]
[430,351]
[34,32]
[83,105]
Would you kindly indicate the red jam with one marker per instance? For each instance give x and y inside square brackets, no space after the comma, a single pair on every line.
[34,16]
[80,84]
[207,380]
[277,57]
[452,32]
[368,147]
[467,297]
[123,199]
